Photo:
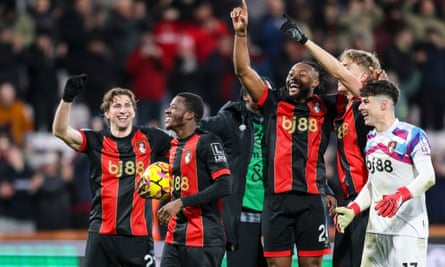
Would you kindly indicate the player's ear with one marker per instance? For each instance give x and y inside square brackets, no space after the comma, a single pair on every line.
[189,115]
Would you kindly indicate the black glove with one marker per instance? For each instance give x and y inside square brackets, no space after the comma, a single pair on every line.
[292,31]
[73,87]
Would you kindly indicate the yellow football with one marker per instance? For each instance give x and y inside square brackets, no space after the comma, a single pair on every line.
[157,179]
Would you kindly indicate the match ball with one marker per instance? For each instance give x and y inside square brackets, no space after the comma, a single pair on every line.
[157,179]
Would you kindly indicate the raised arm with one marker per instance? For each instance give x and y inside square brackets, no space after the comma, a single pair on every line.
[61,129]
[332,65]
[248,77]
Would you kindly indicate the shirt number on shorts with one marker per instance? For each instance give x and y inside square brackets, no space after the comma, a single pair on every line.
[410,264]
[323,237]
[150,260]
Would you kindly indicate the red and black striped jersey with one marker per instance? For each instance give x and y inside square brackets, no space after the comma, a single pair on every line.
[297,137]
[351,134]
[196,162]
[116,165]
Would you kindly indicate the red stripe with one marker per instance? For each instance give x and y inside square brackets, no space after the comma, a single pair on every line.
[285,127]
[138,224]
[172,223]
[352,155]
[314,253]
[263,97]
[84,141]
[194,233]
[275,254]
[220,172]
[313,149]
[111,169]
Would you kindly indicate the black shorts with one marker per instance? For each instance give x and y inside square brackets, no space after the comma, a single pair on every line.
[295,218]
[117,250]
[182,256]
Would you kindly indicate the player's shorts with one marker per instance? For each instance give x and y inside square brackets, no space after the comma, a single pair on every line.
[295,218]
[391,250]
[117,250]
[182,256]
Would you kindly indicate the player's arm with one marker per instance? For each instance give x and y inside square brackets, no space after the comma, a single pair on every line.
[326,60]
[425,179]
[345,215]
[61,129]
[248,77]
[220,188]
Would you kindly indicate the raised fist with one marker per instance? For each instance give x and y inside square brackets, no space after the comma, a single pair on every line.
[292,31]
[73,87]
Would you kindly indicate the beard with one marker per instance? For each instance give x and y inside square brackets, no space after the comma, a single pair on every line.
[303,94]
[175,122]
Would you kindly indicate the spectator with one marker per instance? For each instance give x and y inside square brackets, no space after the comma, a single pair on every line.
[148,78]
[15,201]
[43,86]
[431,54]
[399,58]
[43,19]
[15,115]
[50,187]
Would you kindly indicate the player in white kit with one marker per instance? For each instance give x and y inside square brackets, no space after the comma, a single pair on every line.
[398,158]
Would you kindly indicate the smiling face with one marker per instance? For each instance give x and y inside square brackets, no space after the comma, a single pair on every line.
[120,113]
[175,114]
[301,81]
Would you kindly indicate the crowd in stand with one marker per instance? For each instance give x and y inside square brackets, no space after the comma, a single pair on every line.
[158,48]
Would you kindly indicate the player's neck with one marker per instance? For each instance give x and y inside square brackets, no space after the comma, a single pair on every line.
[186,131]
[121,132]
[385,123]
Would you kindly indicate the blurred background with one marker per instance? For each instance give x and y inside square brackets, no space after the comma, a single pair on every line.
[158,48]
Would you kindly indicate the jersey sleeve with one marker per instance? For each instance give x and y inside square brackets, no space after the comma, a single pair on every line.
[215,156]
[420,146]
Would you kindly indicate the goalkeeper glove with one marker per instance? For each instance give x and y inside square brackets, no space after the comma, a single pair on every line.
[292,31]
[74,85]
[390,204]
[345,215]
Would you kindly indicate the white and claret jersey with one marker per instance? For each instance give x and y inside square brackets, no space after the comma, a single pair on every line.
[391,158]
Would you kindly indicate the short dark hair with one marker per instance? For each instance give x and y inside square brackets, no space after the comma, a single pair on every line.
[193,103]
[381,87]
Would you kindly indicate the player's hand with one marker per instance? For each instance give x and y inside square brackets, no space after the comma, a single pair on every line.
[345,215]
[169,210]
[331,203]
[142,188]
[292,31]
[378,75]
[73,87]
[390,204]
[240,19]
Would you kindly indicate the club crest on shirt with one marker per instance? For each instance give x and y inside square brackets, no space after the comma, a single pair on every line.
[218,152]
[141,147]
[317,107]
[188,156]
[392,146]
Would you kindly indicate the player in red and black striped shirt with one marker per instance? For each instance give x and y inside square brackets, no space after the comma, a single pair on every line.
[352,71]
[200,178]
[297,127]
[120,220]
